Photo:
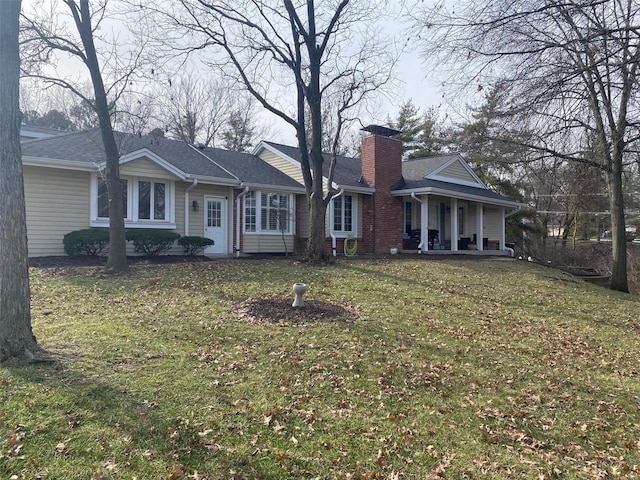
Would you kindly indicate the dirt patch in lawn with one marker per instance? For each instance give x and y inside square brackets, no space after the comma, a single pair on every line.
[277,311]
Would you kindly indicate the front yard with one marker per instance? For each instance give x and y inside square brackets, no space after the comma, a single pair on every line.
[431,369]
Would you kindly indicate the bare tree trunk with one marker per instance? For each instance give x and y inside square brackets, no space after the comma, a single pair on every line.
[299,44]
[588,93]
[117,261]
[16,337]
[619,279]
[316,248]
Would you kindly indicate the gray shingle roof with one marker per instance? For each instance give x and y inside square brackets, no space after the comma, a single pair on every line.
[86,148]
[250,168]
[418,168]
[38,132]
[415,170]
[349,173]
[425,184]
[83,147]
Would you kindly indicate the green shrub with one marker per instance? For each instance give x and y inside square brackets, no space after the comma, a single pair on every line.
[90,241]
[150,242]
[192,245]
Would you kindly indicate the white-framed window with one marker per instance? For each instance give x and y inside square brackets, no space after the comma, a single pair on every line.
[152,203]
[268,212]
[103,197]
[343,216]
[148,202]
[250,212]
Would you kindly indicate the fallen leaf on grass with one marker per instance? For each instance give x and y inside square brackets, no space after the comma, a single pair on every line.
[149,453]
[176,473]
[15,442]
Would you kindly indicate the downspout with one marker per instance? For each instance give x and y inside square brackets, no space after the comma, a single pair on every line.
[423,231]
[333,235]
[238,207]
[186,206]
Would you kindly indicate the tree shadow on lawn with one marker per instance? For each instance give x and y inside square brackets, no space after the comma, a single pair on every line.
[62,420]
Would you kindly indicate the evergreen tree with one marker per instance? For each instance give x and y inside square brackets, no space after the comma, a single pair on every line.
[422,134]
[52,119]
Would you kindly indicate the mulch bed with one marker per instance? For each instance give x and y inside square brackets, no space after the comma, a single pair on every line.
[277,311]
[87,261]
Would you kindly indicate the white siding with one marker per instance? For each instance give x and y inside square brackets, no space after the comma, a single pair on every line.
[57,203]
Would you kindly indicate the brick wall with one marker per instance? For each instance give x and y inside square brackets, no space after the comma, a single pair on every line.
[383,215]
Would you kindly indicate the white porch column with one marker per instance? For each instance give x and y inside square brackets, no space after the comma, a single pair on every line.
[479,226]
[502,233]
[454,224]
[424,222]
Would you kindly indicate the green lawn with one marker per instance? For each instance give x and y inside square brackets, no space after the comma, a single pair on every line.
[453,369]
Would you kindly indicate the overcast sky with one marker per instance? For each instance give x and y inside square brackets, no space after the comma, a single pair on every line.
[412,83]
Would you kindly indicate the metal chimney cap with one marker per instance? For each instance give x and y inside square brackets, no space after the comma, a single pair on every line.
[382,131]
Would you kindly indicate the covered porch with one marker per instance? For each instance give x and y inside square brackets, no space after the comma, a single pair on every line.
[441,224]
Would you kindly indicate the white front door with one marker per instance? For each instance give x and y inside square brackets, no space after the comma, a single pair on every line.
[215,224]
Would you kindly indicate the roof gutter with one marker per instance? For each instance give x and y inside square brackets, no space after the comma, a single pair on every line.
[458,195]
[227,182]
[355,189]
[57,163]
[334,242]
[515,210]
[238,206]
[274,188]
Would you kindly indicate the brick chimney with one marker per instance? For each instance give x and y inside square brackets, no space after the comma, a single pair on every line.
[382,168]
